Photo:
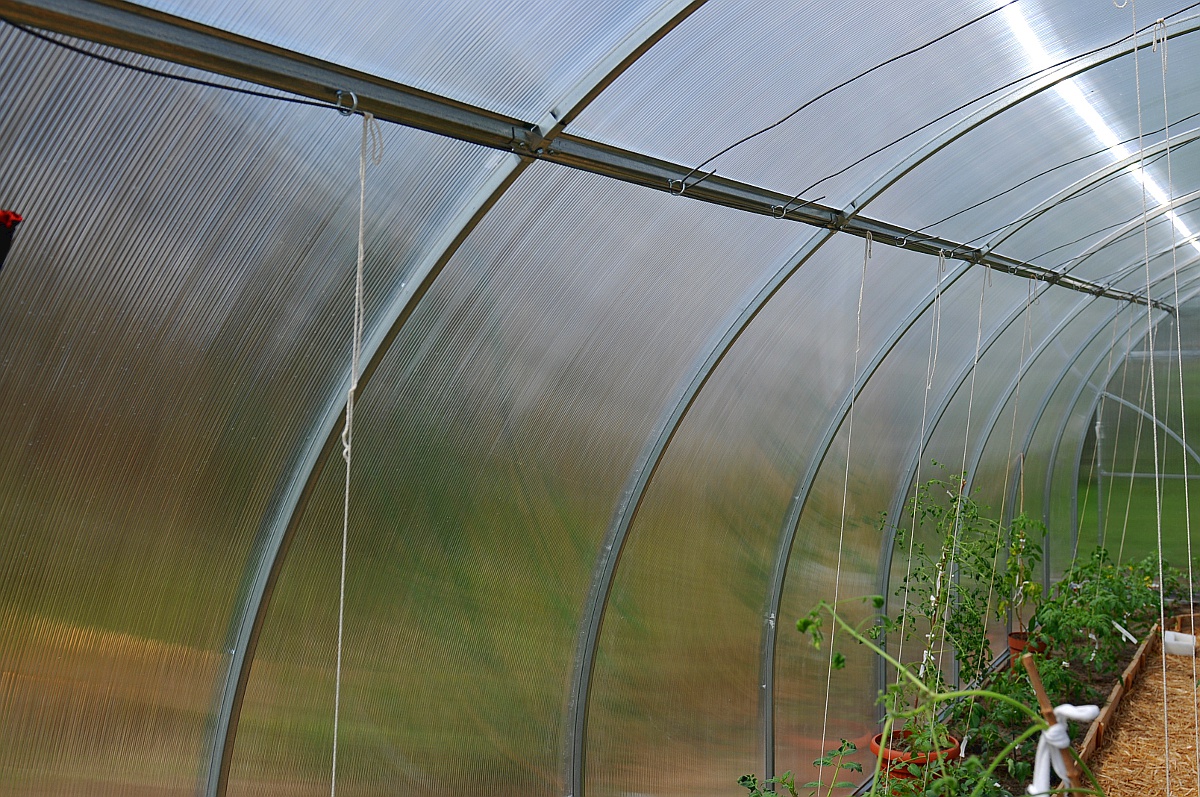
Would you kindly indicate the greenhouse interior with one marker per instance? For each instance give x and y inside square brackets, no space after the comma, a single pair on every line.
[612,398]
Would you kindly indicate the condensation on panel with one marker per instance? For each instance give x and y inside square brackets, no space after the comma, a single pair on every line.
[176,312]
[491,450]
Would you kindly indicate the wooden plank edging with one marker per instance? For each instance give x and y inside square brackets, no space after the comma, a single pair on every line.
[1094,739]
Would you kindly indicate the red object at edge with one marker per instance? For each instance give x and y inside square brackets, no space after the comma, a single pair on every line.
[10,218]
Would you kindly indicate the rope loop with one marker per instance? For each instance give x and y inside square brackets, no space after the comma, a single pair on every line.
[1159,36]
[371,149]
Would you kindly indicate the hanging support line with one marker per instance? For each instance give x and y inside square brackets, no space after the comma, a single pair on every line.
[129,27]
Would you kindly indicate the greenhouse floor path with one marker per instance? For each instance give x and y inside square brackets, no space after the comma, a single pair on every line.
[1132,763]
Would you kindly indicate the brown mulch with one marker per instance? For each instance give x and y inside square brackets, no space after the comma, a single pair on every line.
[1131,762]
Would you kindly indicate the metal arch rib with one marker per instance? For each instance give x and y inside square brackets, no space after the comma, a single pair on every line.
[1051,464]
[1046,81]
[1133,225]
[277,532]
[1158,422]
[943,403]
[673,415]
[998,409]
[941,406]
[1056,383]
[647,463]
[799,501]
[947,396]
[1078,187]
[1067,415]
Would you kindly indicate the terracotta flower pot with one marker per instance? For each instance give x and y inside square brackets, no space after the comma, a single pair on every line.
[1018,643]
[896,761]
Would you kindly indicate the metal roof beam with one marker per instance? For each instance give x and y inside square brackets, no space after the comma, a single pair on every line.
[153,33]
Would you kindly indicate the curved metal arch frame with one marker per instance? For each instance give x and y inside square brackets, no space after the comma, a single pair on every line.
[1079,186]
[1046,81]
[1057,383]
[277,531]
[1101,396]
[1051,465]
[998,409]
[904,484]
[1131,226]
[1079,455]
[939,409]
[672,417]
[299,487]
[800,499]
[1167,430]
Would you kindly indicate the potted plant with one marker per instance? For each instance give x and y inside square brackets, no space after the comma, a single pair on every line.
[934,770]
[1017,586]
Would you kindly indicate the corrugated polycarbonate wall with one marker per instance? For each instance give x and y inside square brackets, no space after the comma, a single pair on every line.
[611,442]
[174,319]
[493,449]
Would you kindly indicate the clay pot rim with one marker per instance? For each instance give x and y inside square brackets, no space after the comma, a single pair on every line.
[893,755]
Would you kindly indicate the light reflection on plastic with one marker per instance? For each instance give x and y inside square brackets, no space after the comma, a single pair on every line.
[1075,98]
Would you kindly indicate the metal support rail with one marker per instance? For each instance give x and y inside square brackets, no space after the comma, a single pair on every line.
[134,28]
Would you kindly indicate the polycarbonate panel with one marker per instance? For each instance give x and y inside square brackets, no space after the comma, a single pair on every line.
[177,308]
[1123,497]
[881,442]
[694,577]
[491,449]
[1045,354]
[723,74]
[497,56]
[1077,383]
[993,175]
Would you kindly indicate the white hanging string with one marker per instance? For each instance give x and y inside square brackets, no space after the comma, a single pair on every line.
[1143,392]
[949,572]
[837,580]
[1160,40]
[1102,523]
[372,148]
[1153,395]
[930,366]
[936,334]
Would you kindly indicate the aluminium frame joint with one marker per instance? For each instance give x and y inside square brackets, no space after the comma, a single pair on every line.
[528,141]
